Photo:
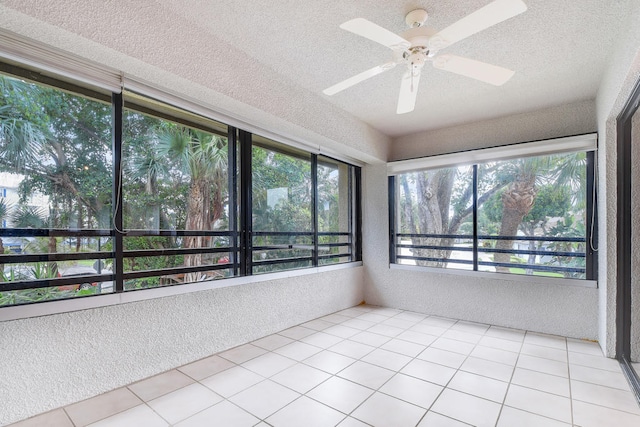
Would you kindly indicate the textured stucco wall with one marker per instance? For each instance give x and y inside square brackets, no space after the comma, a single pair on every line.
[553,122]
[613,93]
[55,360]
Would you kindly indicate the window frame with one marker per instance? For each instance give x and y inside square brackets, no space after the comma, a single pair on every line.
[239,151]
[506,153]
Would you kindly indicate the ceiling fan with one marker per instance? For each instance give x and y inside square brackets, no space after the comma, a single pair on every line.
[421,44]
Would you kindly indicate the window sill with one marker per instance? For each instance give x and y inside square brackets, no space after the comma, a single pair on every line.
[83,303]
[534,280]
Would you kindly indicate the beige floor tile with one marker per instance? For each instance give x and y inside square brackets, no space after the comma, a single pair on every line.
[470,327]
[510,417]
[442,357]
[428,371]
[540,381]
[372,317]
[505,333]
[486,388]
[224,413]
[386,330]
[264,399]
[381,410]
[341,331]
[547,366]
[453,345]
[141,415]
[403,347]
[159,385]
[369,338]
[418,392]
[305,412]
[366,374]
[232,381]
[340,394]
[300,378]
[433,419]
[411,316]
[544,352]
[417,337]
[206,367]
[352,422]
[501,343]
[181,404]
[462,336]
[495,355]
[599,376]
[539,402]
[271,342]
[243,353]
[487,368]
[599,362]
[352,349]
[588,415]
[103,406]
[466,408]
[545,340]
[358,324]
[321,340]
[329,361]
[335,318]
[426,329]
[56,418]
[441,322]
[298,350]
[297,332]
[398,323]
[268,364]
[584,346]
[317,324]
[613,398]
[387,359]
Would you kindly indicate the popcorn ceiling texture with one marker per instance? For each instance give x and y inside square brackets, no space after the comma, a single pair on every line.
[145,41]
[51,361]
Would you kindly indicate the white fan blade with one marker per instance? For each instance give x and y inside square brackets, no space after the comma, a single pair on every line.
[338,87]
[482,71]
[371,31]
[408,92]
[483,18]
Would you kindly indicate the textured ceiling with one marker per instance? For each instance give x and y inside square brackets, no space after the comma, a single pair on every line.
[558,49]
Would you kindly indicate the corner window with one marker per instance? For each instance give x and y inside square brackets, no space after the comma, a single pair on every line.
[530,216]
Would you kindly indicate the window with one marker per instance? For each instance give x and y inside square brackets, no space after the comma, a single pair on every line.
[109,193]
[175,197]
[527,216]
[56,156]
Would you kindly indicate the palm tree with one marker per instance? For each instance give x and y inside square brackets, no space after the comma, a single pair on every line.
[204,157]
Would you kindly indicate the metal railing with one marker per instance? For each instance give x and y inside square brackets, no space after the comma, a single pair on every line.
[476,249]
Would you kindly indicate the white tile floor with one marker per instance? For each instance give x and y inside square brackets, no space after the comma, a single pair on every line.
[373,366]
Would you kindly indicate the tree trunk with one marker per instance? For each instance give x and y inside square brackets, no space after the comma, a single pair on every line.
[52,248]
[430,219]
[1,253]
[197,217]
[517,202]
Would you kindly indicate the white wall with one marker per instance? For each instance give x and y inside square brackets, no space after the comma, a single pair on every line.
[551,308]
[51,361]
[613,93]
[59,359]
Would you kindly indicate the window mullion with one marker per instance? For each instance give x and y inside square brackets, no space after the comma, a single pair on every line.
[475,217]
[314,206]
[246,197]
[118,197]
